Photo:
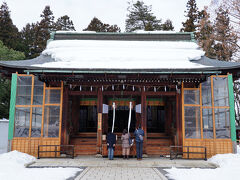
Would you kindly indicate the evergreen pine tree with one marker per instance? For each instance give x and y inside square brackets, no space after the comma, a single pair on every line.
[29,36]
[98,26]
[224,36]
[192,17]
[64,23]
[113,28]
[5,89]
[167,26]
[140,17]
[9,34]
[7,54]
[204,34]
[43,29]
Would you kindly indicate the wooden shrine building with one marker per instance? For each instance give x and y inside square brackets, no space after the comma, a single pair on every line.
[65,96]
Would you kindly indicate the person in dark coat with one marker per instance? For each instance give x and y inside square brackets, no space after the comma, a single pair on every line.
[111,142]
[139,133]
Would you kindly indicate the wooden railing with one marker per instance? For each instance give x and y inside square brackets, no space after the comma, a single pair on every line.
[175,151]
[56,150]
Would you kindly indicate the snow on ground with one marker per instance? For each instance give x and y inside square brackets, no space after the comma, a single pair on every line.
[4,120]
[103,54]
[229,168]
[12,168]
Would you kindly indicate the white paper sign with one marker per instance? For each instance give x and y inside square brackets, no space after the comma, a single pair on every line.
[105,109]
[138,108]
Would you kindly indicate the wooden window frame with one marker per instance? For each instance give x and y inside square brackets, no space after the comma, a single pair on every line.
[213,107]
[31,106]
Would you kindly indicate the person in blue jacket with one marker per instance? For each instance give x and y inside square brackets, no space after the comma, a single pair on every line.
[139,133]
[111,142]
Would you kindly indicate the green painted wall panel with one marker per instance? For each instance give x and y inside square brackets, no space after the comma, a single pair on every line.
[232,108]
[12,106]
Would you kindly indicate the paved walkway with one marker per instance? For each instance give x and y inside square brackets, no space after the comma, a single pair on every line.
[120,173]
[104,169]
[91,161]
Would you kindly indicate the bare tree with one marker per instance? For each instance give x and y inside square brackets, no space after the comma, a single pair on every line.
[234,13]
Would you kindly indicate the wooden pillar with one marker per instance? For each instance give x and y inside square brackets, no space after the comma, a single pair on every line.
[168,117]
[144,118]
[105,123]
[179,119]
[99,128]
[64,135]
[75,114]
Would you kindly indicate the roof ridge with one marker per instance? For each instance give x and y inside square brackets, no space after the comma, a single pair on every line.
[123,36]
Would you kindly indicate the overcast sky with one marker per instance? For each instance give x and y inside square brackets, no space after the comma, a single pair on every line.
[108,11]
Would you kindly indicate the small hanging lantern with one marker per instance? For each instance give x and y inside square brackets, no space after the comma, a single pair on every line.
[102,88]
[91,88]
[80,88]
[133,88]
[113,87]
[155,89]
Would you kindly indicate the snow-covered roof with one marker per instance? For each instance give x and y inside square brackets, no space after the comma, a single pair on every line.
[100,54]
[138,52]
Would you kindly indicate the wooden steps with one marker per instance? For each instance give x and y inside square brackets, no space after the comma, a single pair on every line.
[85,150]
[157,135]
[84,143]
[158,144]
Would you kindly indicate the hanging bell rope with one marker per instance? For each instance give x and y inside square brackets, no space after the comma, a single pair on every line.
[114,107]
[130,114]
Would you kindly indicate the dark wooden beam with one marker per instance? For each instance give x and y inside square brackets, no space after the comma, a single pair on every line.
[170,93]
[75,114]
[64,117]
[133,93]
[79,93]
[100,123]
[179,119]
[144,117]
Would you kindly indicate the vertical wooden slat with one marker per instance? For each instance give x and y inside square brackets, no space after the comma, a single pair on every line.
[31,108]
[201,123]
[213,110]
[213,115]
[43,109]
[183,119]
[48,111]
[60,117]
